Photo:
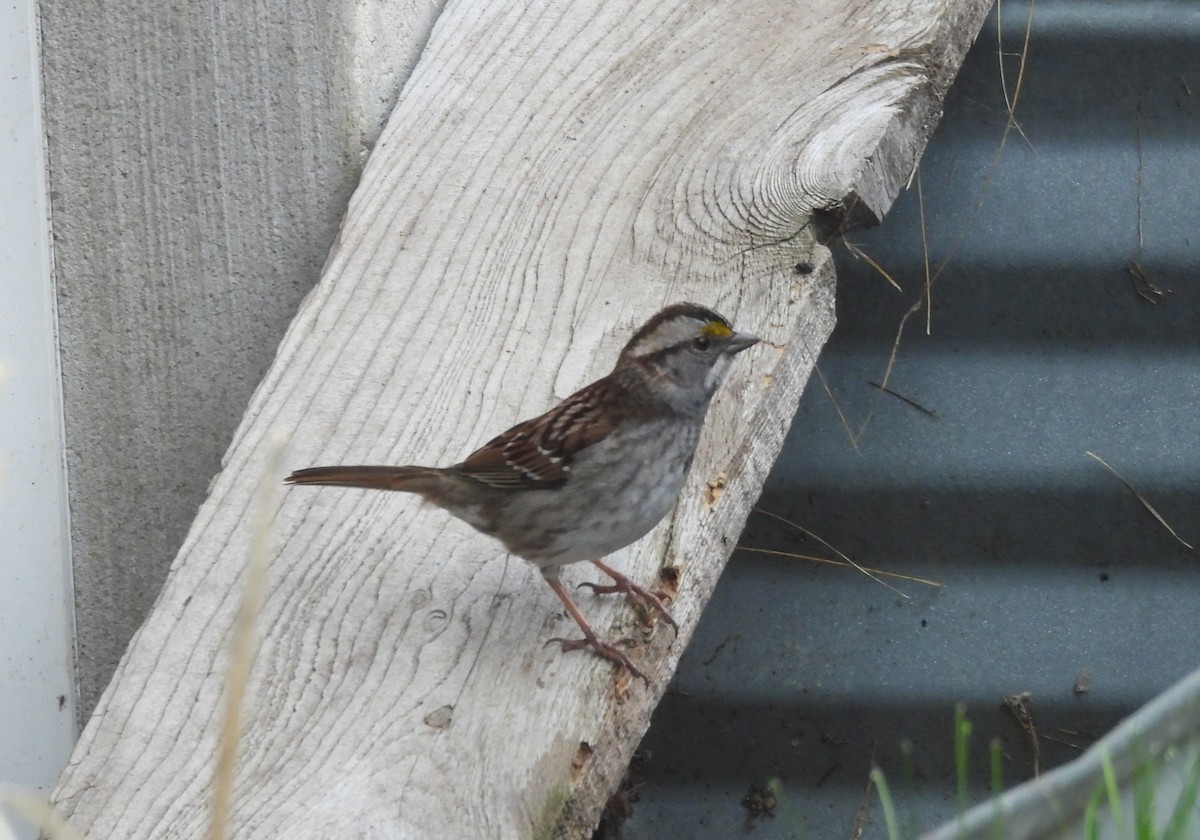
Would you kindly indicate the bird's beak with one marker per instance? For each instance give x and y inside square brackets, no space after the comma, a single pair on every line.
[740,341]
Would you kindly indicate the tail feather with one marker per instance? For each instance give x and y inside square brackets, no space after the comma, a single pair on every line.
[405,479]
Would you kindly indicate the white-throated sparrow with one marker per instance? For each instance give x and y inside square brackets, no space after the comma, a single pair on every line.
[594,473]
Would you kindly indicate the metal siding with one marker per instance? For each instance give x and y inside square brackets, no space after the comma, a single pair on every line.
[1040,350]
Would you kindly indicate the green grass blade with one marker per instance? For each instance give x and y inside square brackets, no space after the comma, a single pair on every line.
[889,807]
[962,739]
[1181,816]
[997,786]
[1091,826]
[1110,786]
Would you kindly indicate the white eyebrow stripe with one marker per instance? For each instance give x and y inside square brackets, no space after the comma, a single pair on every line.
[668,334]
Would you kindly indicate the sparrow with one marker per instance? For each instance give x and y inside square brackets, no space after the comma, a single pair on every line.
[593,474]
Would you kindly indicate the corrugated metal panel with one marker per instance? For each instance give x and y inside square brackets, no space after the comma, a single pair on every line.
[1041,349]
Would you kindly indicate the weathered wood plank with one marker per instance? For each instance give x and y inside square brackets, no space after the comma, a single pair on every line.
[553,173]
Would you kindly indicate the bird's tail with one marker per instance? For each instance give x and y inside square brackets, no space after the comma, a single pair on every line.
[406,479]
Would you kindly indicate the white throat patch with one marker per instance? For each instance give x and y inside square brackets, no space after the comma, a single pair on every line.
[716,374]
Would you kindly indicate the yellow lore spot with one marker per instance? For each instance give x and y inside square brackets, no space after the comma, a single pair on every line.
[715,329]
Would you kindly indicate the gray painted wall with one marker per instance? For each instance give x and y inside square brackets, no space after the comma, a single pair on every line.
[200,158]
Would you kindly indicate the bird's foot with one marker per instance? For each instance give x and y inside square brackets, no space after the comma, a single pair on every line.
[643,599]
[605,650]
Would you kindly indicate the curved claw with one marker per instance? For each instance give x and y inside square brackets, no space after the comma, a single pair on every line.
[605,650]
[638,595]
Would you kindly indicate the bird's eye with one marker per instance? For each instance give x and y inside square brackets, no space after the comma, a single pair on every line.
[702,343]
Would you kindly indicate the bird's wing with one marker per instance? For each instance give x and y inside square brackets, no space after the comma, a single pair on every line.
[538,453]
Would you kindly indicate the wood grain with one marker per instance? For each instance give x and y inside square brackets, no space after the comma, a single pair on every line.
[553,173]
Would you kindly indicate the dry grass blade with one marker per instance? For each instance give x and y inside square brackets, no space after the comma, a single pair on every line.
[859,253]
[931,276]
[37,811]
[1145,503]
[850,434]
[1021,707]
[863,812]
[1141,181]
[928,412]
[242,647]
[926,298]
[1146,288]
[881,386]
[831,562]
[1011,102]
[868,572]
[1055,740]
[925,257]
[989,175]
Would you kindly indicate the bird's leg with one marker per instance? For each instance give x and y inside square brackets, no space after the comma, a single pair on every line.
[604,649]
[639,595]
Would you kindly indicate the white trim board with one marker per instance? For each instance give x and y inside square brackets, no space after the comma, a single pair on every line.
[37,693]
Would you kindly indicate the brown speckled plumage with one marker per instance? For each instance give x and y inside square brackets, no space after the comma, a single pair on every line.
[594,473]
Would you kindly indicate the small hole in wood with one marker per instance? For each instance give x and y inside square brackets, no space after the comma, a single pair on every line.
[582,756]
